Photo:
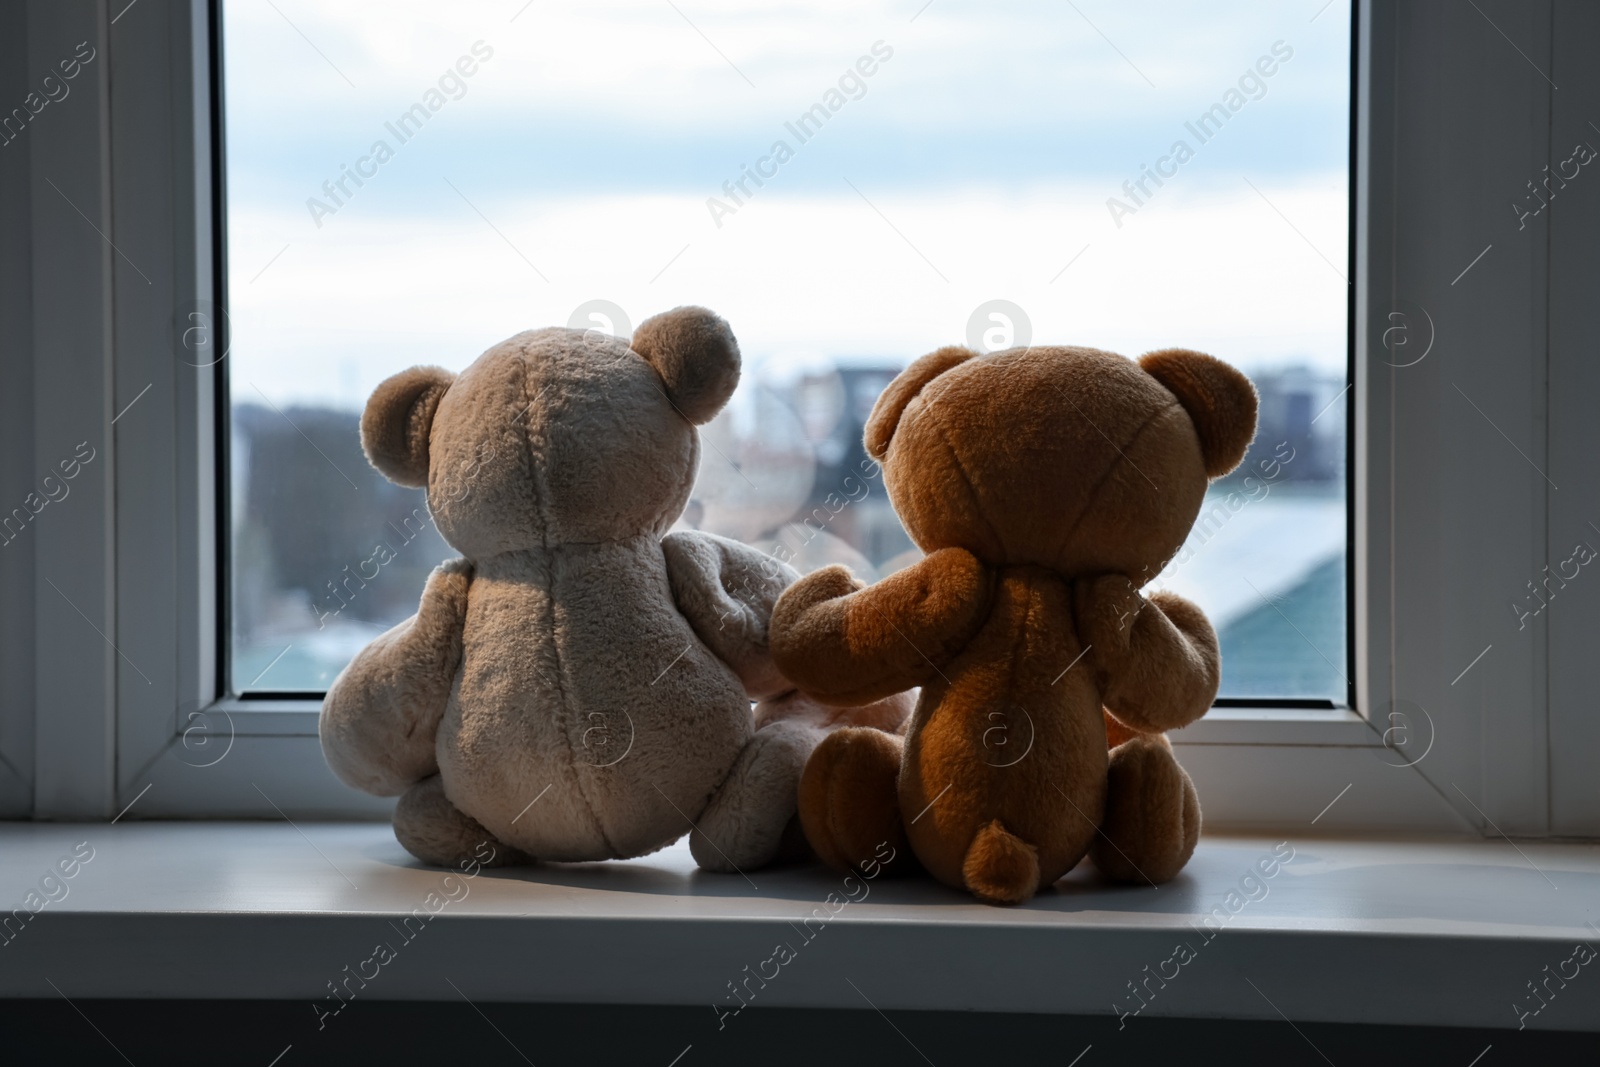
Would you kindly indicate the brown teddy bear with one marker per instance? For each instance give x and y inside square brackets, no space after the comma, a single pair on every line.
[1046,485]
[578,686]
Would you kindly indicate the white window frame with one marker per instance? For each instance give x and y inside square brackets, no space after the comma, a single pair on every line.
[93,727]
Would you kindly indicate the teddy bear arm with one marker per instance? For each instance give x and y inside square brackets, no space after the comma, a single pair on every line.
[381,714]
[847,645]
[726,591]
[1159,659]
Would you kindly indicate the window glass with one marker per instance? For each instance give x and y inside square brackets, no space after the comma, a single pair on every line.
[851,185]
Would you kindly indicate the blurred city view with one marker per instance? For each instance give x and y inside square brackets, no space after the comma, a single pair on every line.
[804,490]
[994,155]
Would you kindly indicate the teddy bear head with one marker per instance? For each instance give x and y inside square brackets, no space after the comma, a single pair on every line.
[557,436]
[1080,461]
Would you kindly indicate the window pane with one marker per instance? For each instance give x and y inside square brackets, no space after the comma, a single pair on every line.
[851,187]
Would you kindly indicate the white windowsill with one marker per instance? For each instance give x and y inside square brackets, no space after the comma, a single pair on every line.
[1406,931]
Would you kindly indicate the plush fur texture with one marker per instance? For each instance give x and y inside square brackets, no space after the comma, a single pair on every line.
[579,685]
[1047,485]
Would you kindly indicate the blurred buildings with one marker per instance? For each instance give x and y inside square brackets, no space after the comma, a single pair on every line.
[783,468]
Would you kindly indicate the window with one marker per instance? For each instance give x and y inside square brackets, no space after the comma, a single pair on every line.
[122,674]
[412,185]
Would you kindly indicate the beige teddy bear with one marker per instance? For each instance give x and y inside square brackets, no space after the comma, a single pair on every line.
[578,686]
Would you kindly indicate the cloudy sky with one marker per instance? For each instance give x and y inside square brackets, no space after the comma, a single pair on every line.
[975,164]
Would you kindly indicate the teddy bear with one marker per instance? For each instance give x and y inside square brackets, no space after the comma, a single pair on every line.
[578,685]
[1046,486]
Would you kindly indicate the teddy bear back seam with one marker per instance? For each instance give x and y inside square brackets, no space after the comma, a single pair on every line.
[1122,452]
[547,565]
[1031,577]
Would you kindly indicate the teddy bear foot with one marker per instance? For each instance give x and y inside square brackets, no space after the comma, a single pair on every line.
[743,826]
[439,834]
[1152,814]
[849,801]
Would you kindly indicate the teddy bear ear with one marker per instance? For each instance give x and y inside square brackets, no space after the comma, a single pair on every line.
[697,357]
[1219,399]
[899,393]
[398,419]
